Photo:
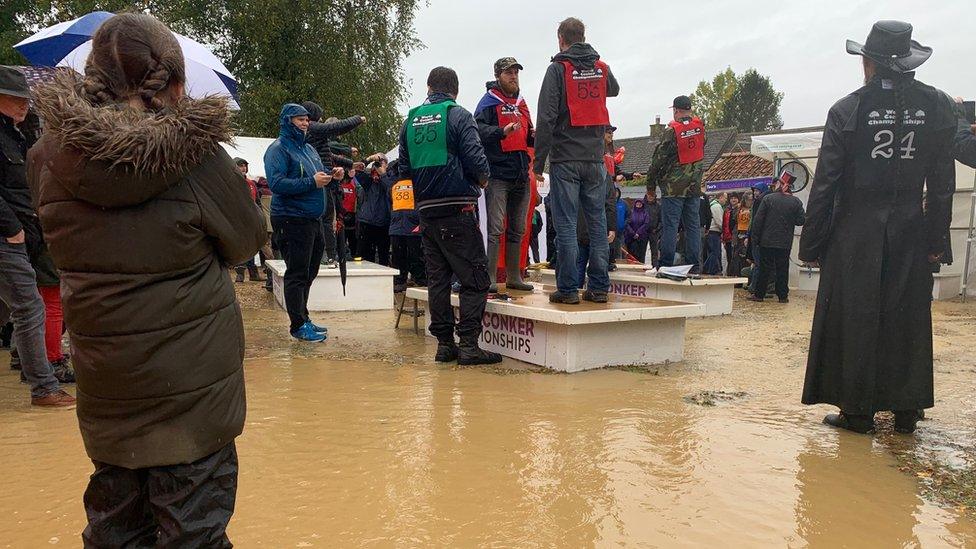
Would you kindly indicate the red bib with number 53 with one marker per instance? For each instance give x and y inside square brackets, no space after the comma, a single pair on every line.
[586,94]
[402,192]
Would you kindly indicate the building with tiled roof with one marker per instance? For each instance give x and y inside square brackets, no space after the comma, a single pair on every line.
[738,171]
[640,149]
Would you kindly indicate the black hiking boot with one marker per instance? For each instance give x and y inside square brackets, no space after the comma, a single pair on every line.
[446,352]
[863,424]
[906,421]
[470,354]
[268,280]
[784,300]
[566,299]
[595,297]
[63,371]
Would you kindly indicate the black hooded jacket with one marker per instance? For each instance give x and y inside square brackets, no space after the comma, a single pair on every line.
[555,139]
[320,133]
[15,197]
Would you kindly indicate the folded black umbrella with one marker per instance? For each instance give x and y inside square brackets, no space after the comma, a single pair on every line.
[341,252]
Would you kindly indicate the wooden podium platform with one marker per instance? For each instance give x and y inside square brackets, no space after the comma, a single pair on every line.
[369,287]
[715,292]
[572,338]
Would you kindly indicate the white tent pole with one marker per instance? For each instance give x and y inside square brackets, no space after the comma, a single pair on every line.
[969,241]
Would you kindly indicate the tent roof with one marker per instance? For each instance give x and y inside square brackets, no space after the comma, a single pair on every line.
[787,144]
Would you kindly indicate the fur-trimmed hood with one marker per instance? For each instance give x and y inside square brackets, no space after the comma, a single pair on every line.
[114,155]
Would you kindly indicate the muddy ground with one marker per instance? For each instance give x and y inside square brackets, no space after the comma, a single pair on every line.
[364,441]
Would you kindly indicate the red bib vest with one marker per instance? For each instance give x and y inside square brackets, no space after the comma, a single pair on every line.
[690,138]
[609,164]
[348,196]
[513,110]
[586,94]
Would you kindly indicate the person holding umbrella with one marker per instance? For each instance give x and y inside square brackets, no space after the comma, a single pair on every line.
[143,211]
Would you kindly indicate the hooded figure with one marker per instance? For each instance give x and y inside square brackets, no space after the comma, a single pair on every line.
[297,179]
[290,164]
[142,213]
[571,124]
[871,343]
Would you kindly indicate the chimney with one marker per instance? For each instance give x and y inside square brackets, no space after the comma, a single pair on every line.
[657,128]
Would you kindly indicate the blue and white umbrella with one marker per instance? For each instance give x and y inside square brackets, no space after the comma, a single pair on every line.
[68,45]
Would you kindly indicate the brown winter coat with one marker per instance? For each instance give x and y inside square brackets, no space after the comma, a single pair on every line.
[143,213]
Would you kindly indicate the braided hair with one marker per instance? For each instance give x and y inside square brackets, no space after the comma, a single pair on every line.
[133,55]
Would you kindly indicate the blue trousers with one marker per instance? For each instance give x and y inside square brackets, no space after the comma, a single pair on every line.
[682,211]
[576,185]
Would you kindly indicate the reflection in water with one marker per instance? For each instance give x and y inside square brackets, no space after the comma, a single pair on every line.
[847,499]
[370,454]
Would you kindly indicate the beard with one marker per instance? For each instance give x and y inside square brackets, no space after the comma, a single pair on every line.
[509,89]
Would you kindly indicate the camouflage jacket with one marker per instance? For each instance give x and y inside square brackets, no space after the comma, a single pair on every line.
[674,179]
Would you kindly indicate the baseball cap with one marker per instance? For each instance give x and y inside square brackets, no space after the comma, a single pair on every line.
[506,63]
[239,161]
[682,102]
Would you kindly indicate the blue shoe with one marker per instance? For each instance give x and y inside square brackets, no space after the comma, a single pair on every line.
[317,328]
[306,333]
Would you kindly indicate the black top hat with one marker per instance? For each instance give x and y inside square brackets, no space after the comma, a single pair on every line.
[13,82]
[890,45]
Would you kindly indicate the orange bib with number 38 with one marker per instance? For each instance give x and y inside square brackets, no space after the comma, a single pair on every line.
[402,195]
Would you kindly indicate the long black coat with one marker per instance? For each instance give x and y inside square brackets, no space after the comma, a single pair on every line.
[871,345]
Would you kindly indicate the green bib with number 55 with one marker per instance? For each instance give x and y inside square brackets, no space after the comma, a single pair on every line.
[427,134]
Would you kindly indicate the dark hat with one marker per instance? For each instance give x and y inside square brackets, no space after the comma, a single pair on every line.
[890,45]
[239,161]
[13,82]
[682,102]
[611,129]
[506,63]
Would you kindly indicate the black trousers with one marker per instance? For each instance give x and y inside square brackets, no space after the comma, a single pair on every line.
[374,243]
[168,506]
[328,222]
[408,256]
[453,247]
[778,260]
[302,243]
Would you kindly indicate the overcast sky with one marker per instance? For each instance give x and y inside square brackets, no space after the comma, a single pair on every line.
[658,52]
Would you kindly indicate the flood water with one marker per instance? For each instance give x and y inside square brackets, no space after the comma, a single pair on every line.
[396,451]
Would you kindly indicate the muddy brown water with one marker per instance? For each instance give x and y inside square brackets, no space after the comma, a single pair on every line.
[363,441]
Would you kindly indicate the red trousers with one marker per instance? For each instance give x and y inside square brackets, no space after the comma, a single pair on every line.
[53,321]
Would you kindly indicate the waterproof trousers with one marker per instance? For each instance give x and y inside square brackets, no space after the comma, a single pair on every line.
[172,506]
[301,242]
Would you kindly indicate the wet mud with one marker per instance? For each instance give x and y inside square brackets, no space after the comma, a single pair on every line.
[364,441]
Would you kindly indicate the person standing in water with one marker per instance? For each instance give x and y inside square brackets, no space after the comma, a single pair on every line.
[871,345]
[143,213]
